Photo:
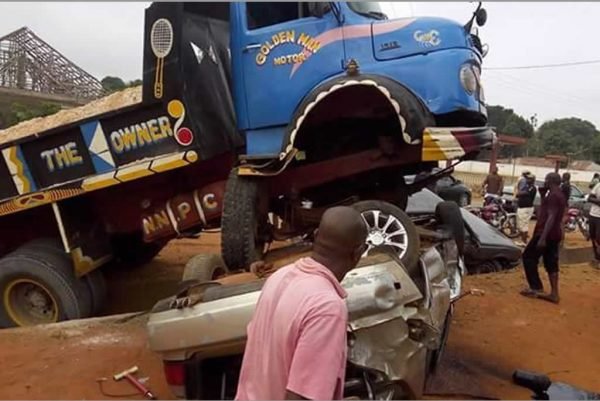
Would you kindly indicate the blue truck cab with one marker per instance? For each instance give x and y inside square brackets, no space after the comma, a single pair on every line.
[290,52]
[322,103]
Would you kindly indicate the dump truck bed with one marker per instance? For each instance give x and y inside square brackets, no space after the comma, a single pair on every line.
[33,127]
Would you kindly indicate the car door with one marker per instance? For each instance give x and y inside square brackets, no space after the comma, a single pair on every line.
[284,55]
[577,198]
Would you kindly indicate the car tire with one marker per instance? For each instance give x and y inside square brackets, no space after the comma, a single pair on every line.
[244,222]
[448,214]
[396,220]
[490,266]
[204,267]
[48,277]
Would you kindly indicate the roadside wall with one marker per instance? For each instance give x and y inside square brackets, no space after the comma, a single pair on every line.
[472,173]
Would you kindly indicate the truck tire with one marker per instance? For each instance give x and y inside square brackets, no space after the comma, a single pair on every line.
[388,225]
[204,267]
[96,285]
[243,222]
[94,280]
[448,214]
[38,286]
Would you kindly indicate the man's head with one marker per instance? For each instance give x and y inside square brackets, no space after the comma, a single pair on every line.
[526,173]
[530,179]
[494,170]
[340,240]
[566,177]
[553,180]
[597,175]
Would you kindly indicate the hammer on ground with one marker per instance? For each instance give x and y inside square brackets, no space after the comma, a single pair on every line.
[128,374]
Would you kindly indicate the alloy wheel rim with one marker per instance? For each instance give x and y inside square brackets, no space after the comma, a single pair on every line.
[385,230]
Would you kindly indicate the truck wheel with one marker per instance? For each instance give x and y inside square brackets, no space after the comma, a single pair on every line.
[94,280]
[96,285]
[204,267]
[390,226]
[243,222]
[39,286]
[448,213]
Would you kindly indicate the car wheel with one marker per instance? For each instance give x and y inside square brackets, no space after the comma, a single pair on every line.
[490,266]
[389,226]
[204,267]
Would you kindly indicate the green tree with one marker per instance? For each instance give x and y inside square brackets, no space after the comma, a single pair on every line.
[19,112]
[507,122]
[135,82]
[112,84]
[569,135]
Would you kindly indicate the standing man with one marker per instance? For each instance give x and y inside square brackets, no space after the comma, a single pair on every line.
[525,198]
[522,182]
[594,222]
[296,346]
[545,241]
[493,183]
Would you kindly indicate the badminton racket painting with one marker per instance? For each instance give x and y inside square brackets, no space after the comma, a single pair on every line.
[161,42]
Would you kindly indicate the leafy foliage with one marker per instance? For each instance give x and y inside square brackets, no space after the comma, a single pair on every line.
[573,137]
[115,84]
[18,112]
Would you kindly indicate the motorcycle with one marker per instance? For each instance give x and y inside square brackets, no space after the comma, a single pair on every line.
[577,219]
[499,213]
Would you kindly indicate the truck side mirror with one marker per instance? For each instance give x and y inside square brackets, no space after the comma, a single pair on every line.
[318,9]
[481,17]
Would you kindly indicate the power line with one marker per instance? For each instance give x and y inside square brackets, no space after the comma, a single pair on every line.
[543,89]
[529,67]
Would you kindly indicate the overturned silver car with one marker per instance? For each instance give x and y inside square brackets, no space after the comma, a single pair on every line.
[399,319]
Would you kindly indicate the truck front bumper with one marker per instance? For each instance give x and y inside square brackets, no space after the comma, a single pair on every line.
[448,143]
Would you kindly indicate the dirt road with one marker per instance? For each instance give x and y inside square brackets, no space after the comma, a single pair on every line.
[491,336]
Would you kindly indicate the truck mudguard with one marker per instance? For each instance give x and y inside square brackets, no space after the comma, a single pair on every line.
[406,105]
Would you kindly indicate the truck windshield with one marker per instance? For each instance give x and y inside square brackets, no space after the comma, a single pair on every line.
[368,8]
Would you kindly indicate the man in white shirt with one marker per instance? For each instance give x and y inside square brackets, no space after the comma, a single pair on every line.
[594,199]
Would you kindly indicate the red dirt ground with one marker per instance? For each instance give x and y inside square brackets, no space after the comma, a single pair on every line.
[491,336]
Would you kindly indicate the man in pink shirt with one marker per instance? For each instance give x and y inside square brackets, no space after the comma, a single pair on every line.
[296,347]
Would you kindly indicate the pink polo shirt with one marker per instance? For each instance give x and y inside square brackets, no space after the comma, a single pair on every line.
[297,336]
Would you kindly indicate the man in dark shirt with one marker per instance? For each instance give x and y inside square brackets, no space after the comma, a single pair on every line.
[545,241]
[525,198]
[493,183]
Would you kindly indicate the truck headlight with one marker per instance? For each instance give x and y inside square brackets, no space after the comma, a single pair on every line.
[468,78]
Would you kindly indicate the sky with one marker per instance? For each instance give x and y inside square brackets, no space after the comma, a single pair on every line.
[106,39]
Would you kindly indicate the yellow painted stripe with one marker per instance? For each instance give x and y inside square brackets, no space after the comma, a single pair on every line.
[21,181]
[99,181]
[431,150]
[441,144]
[134,172]
[169,163]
